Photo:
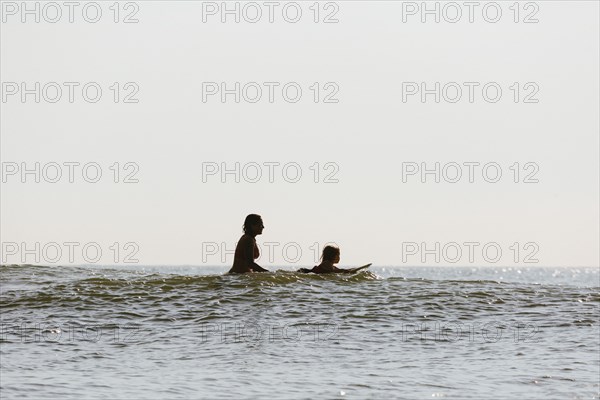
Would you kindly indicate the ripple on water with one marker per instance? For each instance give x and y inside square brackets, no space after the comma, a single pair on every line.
[162,333]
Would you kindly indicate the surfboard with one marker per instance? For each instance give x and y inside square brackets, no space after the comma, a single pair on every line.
[353,270]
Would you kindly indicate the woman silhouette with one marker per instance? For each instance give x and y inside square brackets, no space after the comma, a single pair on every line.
[246,250]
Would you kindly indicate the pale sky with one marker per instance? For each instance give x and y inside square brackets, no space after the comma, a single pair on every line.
[376,53]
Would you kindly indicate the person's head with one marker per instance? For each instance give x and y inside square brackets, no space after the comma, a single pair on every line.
[331,254]
[253,225]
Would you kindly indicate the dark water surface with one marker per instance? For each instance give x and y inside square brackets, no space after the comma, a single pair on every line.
[394,332]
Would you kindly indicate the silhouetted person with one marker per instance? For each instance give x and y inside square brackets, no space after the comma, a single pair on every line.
[330,257]
[246,250]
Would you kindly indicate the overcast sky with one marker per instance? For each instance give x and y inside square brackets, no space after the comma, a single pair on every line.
[520,98]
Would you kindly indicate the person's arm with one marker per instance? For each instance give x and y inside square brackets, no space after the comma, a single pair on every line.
[246,264]
[258,268]
[249,258]
[351,270]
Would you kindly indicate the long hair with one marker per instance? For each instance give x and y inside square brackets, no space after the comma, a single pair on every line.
[251,219]
[329,253]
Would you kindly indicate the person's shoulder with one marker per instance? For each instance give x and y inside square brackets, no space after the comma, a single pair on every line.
[320,269]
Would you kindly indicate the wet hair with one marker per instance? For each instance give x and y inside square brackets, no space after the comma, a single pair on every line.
[329,253]
[251,219]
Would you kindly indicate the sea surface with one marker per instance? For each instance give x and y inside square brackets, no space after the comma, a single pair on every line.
[169,332]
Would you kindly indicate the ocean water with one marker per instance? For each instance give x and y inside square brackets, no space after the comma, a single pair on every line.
[172,332]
